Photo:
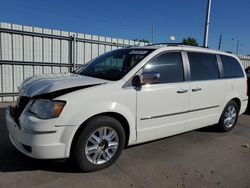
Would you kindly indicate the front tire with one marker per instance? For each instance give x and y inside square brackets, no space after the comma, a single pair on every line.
[99,143]
[228,117]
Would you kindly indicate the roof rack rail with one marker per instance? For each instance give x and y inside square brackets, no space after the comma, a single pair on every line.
[165,44]
[173,44]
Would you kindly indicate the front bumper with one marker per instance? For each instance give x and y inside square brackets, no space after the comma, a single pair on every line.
[52,144]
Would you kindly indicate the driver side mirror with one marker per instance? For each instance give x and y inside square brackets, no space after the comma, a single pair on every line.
[146,78]
[136,81]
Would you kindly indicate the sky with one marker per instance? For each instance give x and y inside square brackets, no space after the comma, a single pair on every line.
[132,19]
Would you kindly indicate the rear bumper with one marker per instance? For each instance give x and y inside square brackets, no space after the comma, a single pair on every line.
[37,144]
[244,104]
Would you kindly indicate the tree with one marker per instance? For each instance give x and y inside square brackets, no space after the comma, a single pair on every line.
[190,41]
[141,40]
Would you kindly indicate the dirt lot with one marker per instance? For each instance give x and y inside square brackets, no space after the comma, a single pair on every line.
[200,158]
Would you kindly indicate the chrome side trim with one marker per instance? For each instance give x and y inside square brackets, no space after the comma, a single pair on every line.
[64,125]
[160,116]
[165,115]
[217,106]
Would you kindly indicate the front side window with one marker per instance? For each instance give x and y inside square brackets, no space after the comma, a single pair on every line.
[115,64]
[203,66]
[231,67]
[169,66]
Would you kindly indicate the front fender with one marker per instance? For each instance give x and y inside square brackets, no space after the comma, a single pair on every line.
[99,109]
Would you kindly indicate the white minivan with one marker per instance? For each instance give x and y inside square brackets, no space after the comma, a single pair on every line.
[125,97]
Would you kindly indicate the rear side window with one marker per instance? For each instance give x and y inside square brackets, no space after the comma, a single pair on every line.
[203,66]
[231,67]
[168,65]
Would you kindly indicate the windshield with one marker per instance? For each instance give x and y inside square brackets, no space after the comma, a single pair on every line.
[115,64]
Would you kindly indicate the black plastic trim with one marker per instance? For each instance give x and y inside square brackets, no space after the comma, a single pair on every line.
[37,132]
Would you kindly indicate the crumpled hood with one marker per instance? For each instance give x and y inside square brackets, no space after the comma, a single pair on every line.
[42,84]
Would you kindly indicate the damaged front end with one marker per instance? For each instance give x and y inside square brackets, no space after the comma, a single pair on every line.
[50,87]
[16,111]
[23,101]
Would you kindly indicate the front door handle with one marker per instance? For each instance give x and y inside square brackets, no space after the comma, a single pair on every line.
[182,91]
[196,89]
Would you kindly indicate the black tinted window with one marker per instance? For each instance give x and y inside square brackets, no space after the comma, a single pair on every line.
[203,66]
[231,67]
[168,65]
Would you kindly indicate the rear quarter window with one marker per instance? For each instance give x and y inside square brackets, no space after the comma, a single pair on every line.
[231,67]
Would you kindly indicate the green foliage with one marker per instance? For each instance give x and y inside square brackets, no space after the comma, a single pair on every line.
[141,40]
[190,41]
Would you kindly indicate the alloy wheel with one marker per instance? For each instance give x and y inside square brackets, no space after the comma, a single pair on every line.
[101,145]
[230,116]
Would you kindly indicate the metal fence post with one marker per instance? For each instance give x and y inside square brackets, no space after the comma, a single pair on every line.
[73,51]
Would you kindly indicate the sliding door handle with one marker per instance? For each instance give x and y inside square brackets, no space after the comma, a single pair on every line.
[196,89]
[182,91]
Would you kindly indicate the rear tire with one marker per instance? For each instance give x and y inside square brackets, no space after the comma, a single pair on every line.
[228,117]
[99,143]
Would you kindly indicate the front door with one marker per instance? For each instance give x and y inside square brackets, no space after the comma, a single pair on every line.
[162,107]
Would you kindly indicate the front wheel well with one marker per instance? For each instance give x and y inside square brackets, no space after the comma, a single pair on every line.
[115,115]
[122,120]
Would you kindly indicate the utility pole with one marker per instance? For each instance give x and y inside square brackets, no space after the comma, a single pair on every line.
[152,33]
[237,47]
[205,41]
[220,42]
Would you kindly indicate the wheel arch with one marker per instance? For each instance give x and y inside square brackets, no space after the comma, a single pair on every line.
[237,101]
[124,122]
[221,124]
[121,119]
[232,96]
